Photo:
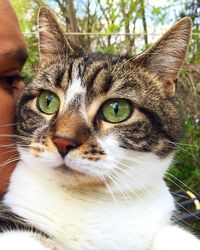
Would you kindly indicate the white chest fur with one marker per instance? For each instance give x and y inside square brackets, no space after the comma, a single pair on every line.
[89,220]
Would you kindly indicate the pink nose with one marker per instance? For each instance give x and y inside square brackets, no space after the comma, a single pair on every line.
[64,144]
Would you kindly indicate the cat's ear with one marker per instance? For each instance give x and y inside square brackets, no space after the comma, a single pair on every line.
[52,40]
[167,55]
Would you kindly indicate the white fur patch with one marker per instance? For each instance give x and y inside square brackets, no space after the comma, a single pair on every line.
[87,220]
[20,240]
[75,88]
[133,171]
[173,238]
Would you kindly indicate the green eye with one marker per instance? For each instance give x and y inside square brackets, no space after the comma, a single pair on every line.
[48,102]
[116,110]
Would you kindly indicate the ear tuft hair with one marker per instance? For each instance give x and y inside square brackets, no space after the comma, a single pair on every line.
[165,57]
[52,40]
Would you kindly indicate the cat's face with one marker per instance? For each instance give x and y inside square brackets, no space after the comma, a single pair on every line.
[102,120]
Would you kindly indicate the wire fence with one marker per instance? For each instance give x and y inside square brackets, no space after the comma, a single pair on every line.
[107,34]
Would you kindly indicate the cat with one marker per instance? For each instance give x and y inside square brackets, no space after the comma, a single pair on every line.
[95,134]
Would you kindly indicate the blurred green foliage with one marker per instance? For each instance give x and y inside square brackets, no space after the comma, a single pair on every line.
[186,164]
[27,14]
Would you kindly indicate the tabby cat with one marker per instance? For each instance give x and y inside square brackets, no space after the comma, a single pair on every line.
[96,133]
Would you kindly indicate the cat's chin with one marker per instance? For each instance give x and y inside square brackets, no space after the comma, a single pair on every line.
[64,169]
[71,178]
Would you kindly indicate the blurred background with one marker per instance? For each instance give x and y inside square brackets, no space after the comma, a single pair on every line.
[129,27]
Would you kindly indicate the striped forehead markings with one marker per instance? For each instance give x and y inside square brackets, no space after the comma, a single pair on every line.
[82,84]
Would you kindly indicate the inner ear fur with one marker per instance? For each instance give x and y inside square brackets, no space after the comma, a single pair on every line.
[52,40]
[165,57]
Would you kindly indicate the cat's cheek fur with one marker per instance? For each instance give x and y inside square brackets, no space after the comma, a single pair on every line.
[173,238]
[21,240]
[139,171]
[46,159]
[133,170]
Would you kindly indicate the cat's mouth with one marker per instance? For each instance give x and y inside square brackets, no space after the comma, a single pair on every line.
[69,171]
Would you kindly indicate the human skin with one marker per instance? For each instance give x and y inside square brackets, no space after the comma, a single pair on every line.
[13,54]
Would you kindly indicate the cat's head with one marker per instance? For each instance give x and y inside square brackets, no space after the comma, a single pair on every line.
[99,119]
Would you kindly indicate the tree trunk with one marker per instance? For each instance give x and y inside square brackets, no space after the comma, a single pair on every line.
[144,23]
[126,27]
[73,21]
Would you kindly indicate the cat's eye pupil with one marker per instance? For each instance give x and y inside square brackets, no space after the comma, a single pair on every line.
[116,108]
[49,99]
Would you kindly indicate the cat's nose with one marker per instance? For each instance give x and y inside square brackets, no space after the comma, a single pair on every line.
[64,144]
